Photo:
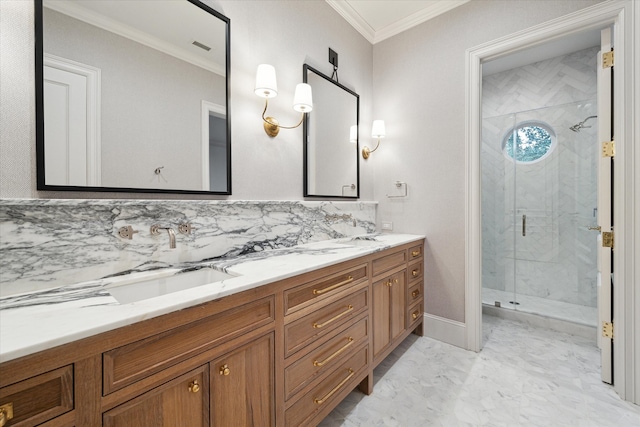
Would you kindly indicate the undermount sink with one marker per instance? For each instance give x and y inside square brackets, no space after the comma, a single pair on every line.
[361,242]
[140,287]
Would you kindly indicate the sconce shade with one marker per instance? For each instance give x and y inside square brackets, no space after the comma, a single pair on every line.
[353,134]
[266,86]
[378,130]
[302,99]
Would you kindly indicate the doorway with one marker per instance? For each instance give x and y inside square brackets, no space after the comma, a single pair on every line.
[621,16]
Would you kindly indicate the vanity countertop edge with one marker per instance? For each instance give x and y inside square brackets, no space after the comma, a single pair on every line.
[38,321]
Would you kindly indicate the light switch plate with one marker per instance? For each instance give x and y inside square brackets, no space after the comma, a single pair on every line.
[387,225]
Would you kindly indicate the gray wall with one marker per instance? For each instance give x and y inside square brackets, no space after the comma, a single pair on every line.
[285,34]
[419,80]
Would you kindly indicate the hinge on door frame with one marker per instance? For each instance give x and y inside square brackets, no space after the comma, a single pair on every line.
[607,239]
[609,149]
[607,59]
[607,329]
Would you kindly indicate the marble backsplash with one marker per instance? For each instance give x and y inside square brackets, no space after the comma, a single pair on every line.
[49,243]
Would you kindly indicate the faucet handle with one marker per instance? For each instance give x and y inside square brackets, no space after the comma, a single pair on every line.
[186,228]
[127,232]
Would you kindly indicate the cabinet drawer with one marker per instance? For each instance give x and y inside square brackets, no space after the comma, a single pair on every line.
[321,322]
[127,364]
[387,262]
[415,293]
[309,292]
[415,314]
[416,252]
[183,401]
[329,390]
[415,271]
[325,357]
[40,398]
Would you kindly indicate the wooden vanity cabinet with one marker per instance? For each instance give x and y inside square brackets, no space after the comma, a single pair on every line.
[389,307]
[283,354]
[183,401]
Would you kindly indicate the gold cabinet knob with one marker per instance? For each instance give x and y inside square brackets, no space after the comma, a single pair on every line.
[389,283]
[395,281]
[224,370]
[415,315]
[194,387]
[415,253]
[415,273]
[415,294]
[6,413]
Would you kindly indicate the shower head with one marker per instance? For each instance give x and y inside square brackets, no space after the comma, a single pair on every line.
[578,126]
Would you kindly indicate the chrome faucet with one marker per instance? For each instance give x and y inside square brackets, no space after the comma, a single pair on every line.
[155,230]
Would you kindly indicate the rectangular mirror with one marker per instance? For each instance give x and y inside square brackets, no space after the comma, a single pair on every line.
[331,166]
[132,96]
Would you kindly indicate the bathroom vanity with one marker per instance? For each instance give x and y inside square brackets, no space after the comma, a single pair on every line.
[278,349]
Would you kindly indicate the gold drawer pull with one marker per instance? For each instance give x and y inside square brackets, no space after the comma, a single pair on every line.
[343,348]
[389,283]
[336,388]
[334,318]
[194,387]
[415,253]
[332,287]
[415,314]
[415,294]
[415,273]
[224,370]
[6,413]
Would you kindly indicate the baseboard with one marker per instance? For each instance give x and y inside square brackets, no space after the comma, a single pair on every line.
[445,330]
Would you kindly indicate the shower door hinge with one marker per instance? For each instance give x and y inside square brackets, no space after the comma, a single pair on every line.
[607,239]
[609,149]
[607,59]
[607,329]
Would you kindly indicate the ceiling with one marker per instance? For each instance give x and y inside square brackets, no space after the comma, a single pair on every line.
[380,19]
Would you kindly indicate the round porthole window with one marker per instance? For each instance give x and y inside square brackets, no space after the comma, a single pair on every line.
[529,142]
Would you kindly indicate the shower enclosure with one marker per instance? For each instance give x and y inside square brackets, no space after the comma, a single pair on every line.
[539,198]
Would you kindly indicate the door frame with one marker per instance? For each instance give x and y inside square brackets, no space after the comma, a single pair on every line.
[94,85]
[218,111]
[622,15]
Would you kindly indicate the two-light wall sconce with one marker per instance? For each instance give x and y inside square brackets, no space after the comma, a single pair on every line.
[378,132]
[266,87]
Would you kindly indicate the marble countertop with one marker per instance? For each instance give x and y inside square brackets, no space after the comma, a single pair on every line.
[38,321]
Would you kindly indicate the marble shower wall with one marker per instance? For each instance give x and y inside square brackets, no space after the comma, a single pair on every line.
[49,243]
[557,258]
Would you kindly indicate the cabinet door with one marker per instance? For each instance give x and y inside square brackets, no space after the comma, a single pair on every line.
[381,311]
[242,386]
[397,314]
[183,401]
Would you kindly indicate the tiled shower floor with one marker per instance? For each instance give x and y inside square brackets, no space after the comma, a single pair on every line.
[524,376]
[545,307]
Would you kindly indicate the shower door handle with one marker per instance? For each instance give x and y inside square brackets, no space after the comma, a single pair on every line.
[524,225]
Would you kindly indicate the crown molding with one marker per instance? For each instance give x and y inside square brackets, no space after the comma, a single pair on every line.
[352,17]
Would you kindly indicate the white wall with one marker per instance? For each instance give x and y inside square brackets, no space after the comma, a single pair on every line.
[419,80]
[285,34]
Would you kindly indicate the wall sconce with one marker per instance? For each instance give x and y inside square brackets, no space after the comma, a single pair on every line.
[266,87]
[377,131]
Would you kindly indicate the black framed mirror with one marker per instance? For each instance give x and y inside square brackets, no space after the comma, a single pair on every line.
[132,96]
[331,163]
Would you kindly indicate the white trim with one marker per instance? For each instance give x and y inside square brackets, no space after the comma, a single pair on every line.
[219,111]
[368,32]
[94,139]
[116,27]
[445,330]
[621,14]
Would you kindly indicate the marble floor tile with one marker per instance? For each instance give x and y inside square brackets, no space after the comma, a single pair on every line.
[524,376]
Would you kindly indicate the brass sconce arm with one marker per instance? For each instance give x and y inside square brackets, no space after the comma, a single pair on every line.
[271,124]
[366,151]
